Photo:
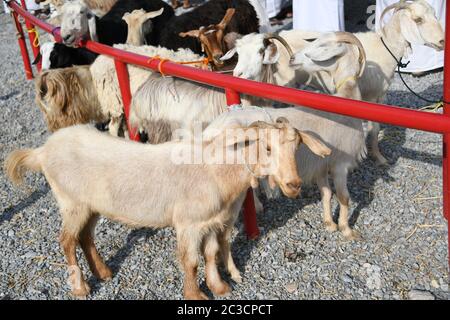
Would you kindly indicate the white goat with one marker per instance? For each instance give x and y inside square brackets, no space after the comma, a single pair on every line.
[413,22]
[156,192]
[135,20]
[343,135]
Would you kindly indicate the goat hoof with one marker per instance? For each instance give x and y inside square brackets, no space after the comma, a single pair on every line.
[198,295]
[236,277]
[82,291]
[351,235]
[330,226]
[381,161]
[221,290]
[104,274]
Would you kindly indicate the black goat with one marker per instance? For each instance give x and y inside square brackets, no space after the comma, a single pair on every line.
[111,29]
[57,55]
[245,21]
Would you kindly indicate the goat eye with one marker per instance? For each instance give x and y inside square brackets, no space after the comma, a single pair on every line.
[418,20]
[261,51]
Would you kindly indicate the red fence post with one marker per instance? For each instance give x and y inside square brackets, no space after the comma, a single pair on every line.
[446,144]
[124,84]
[32,36]
[22,46]
[250,221]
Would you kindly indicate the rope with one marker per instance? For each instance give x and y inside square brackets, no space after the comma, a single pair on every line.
[204,62]
[340,84]
[401,65]
[36,42]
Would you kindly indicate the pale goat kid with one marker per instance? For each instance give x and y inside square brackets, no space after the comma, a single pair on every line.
[135,21]
[98,180]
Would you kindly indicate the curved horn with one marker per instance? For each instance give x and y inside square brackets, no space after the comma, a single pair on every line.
[269,36]
[261,124]
[351,39]
[402,4]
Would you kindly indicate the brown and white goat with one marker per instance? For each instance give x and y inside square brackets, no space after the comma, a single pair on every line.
[212,39]
[160,192]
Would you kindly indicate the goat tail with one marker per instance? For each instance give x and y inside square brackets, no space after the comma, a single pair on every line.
[19,161]
[261,13]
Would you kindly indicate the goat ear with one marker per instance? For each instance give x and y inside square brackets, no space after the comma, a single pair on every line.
[409,29]
[229,55]
[271,54]
[314,144]
[192,33]
[227,18]
[326,52]
[92,27]
[152,14]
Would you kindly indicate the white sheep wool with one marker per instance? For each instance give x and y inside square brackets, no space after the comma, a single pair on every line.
[323,15]
[422,58]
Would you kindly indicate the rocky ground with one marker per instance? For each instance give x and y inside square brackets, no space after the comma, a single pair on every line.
[398,210]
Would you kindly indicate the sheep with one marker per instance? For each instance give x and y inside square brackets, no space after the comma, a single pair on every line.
[412,23]
[65,97]
[78,21]
[250,17]
[160,191]
[343,135]
[134,21]
[86,89]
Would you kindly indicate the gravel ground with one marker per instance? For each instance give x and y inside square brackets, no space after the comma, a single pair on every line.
[398,210]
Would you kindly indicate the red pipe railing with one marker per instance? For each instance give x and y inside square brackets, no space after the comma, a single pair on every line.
[32,36]
[234,86]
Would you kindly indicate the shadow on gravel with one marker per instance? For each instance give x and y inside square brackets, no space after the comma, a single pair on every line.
[115,262]
[25,203]
[9,95]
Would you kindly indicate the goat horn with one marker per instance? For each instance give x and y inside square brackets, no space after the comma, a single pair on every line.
[402,4]
[269,36]
[261,124]
[351,39]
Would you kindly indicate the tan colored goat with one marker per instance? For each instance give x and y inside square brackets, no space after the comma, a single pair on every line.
[90,175]
[135,20]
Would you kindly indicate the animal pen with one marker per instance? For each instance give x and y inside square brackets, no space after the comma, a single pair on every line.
[419,120]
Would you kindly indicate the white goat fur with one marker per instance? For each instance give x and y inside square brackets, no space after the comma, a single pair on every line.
[343,135]
[400,32]
[107,86]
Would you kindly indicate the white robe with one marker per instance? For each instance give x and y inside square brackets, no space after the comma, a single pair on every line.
[423,58]
[319,15]
[273,7]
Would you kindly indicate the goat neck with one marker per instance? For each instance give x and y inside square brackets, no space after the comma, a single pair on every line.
[395,41]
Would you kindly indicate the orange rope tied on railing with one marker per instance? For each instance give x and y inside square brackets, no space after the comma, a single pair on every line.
[204,62]
[161,61]
[36,39]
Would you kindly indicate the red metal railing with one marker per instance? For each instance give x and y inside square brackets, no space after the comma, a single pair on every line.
[413,119]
